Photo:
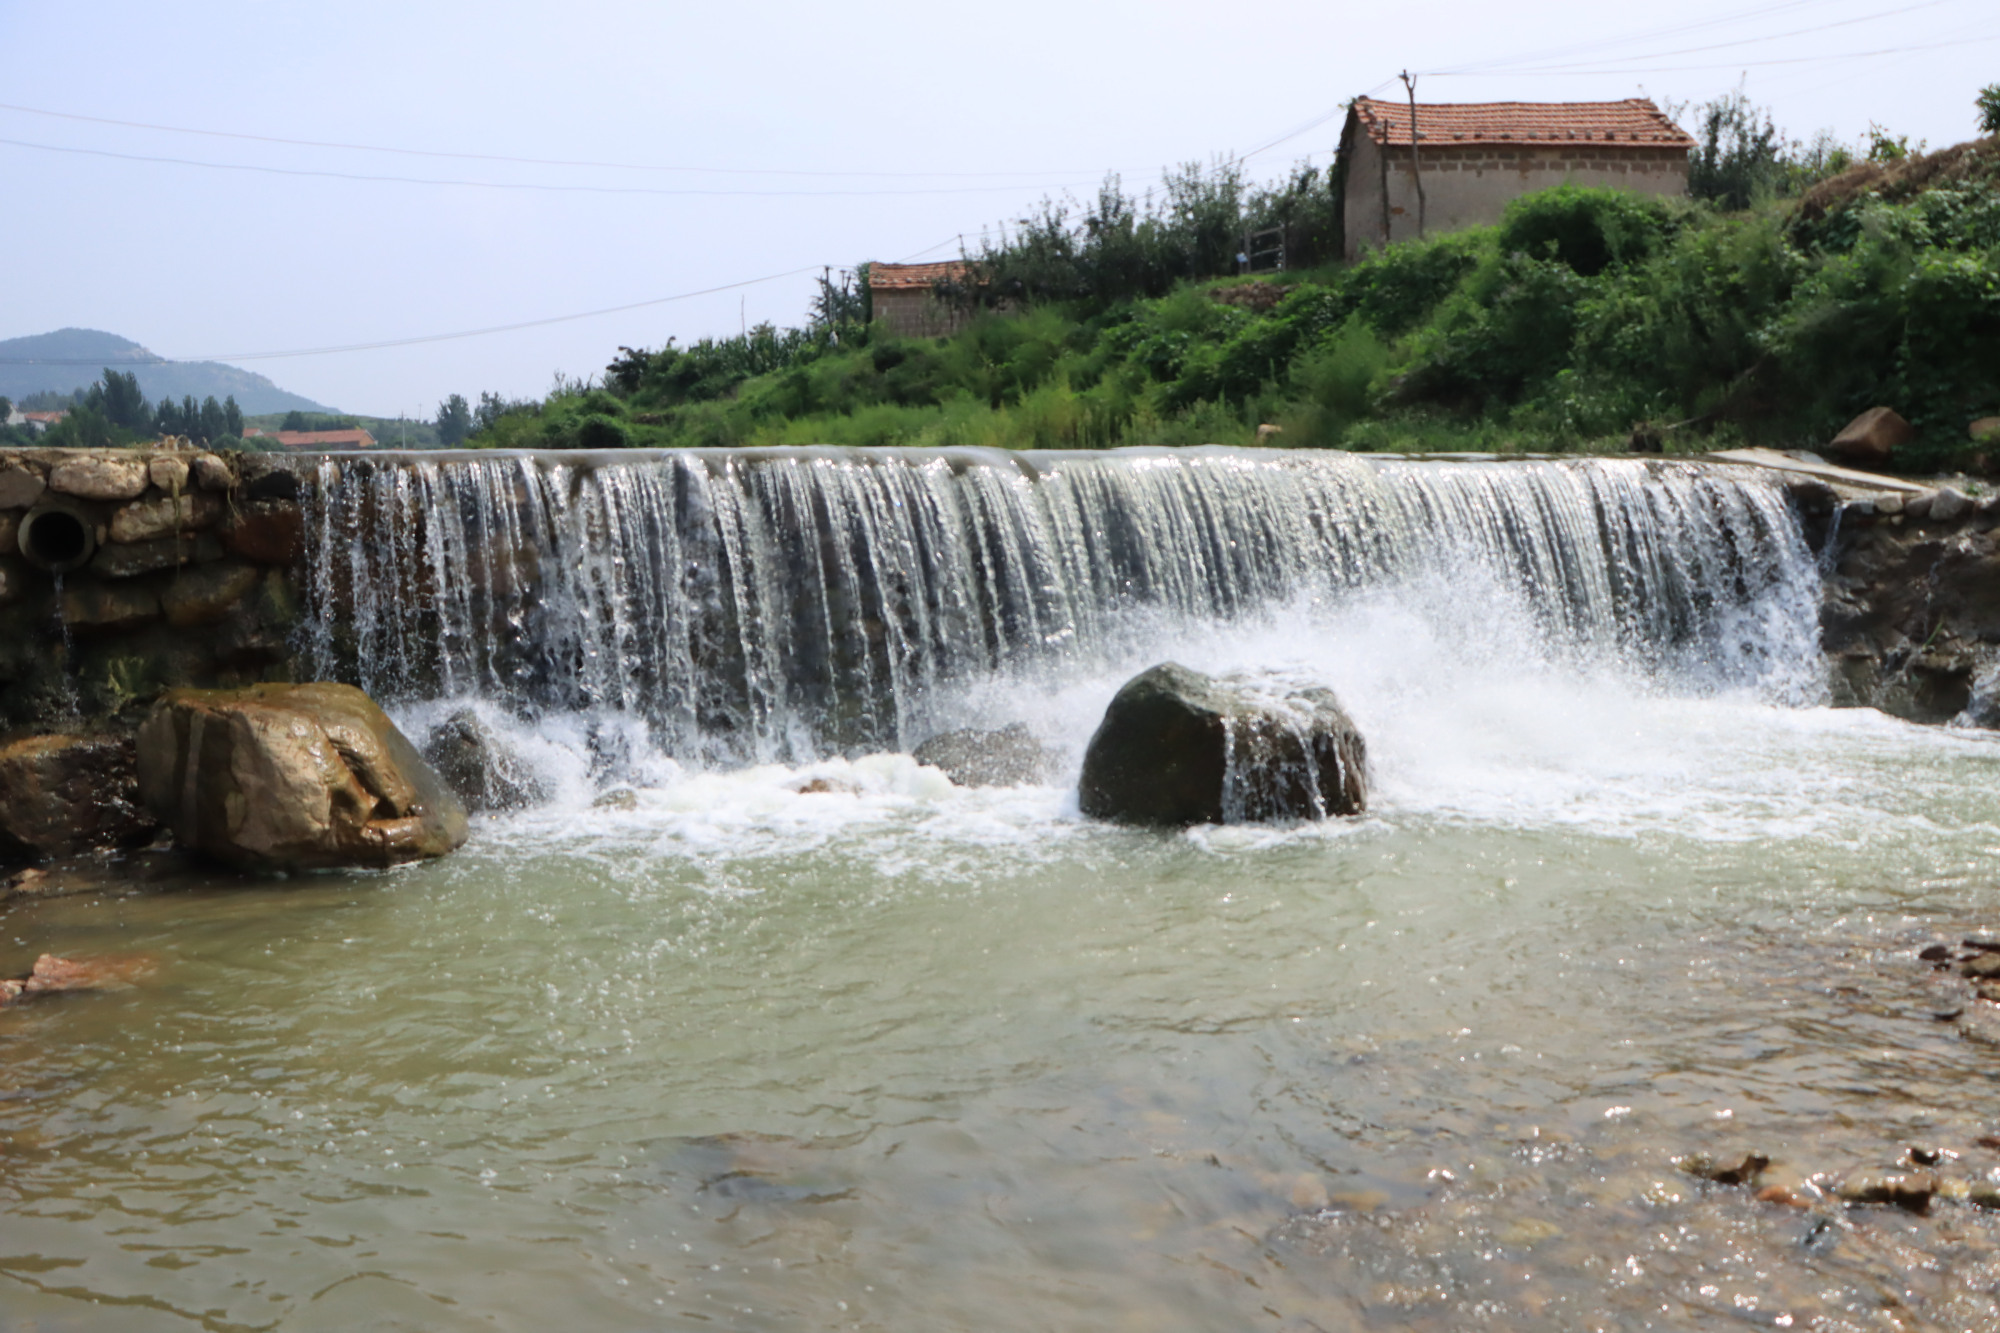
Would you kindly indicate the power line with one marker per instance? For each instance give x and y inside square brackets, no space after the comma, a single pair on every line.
[518,161]
[1561,71]
[1501,66]
[541,188]
[1652,34]
[424,338]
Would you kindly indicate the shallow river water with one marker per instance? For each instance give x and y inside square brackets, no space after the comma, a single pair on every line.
[895,1055]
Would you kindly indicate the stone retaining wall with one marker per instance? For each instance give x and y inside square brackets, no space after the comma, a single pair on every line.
[124,571]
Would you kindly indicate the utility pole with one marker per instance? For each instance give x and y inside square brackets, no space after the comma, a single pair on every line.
[1416,173]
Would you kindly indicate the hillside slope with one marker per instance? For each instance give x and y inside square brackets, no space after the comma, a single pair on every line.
[70,359]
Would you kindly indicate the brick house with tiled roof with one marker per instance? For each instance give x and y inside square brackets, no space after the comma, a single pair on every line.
[1472,158]
[903,298]
[313,440]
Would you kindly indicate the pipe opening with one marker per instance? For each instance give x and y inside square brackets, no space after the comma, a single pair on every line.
[56,538]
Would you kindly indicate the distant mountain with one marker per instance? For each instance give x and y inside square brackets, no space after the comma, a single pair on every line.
[73,359]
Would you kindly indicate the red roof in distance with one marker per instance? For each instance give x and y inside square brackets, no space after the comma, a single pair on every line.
[316,439]
[904,277]
[1634,121]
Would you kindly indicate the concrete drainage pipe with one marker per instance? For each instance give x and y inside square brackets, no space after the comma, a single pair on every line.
[57,537]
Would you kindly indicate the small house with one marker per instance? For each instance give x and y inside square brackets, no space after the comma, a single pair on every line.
[905,300]
[315,439]
[1458,164]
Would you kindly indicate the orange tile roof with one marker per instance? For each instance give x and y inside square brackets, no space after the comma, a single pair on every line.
[321,439]
[46,418]
[903,277]
[1635,122]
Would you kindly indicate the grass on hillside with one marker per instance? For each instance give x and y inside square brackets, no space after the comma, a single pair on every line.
[1582,315]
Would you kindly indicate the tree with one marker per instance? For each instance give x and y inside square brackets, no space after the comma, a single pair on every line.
[6,409]
[118,397]
[1738,152]
[294,420]
[232,417]
[214,424]
[1988,103]
[454,420]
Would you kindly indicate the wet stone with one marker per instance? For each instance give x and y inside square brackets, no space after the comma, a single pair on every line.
[1732,1171]
[56,976]
[204,594]
[479,765]
[60,795]
[10,529]
[270,531]
[1981,966]
[89,604]
[1009,757]
[1911,1190]
[124,562]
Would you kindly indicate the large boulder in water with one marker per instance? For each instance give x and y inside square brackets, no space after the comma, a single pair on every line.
[481,768]
[1177,747]
[972,757]
[292,777]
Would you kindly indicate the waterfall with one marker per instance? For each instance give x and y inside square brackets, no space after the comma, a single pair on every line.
[782,604]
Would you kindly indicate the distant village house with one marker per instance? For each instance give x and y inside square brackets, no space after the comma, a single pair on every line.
[315,439]
[35,421]
[1473,158]
[905,301]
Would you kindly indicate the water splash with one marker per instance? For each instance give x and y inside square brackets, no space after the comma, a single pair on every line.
[782,605]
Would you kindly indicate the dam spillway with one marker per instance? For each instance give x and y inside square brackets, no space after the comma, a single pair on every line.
[783,604]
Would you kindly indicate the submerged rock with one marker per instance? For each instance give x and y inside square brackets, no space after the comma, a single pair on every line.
[481,768]
[1177,747]
[60,795]
[972,757]
[1910,1190]
[55,976]
[292,777]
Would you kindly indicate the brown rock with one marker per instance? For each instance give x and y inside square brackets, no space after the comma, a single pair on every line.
[168,472]
[1986,428]
[56,976]
[1781,1194]
[292,777]
[212,474]
[60,795]
[1736,1171]
[123,562]
[270,531]
[1870,439]
[163,517]
[1906,1189]
[97,477]
[91,604]
[19,486]
[10,527]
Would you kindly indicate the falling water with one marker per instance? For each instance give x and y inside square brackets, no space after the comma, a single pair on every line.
[782,604]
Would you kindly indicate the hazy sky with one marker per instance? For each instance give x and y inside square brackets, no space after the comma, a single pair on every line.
[743,140]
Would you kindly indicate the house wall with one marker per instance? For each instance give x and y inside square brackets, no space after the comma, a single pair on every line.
[913,312]
[1472,186]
